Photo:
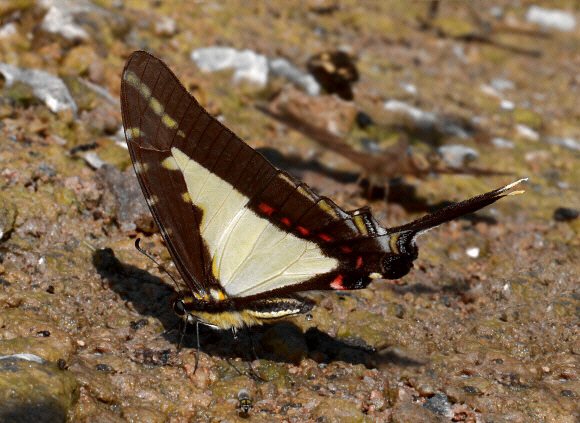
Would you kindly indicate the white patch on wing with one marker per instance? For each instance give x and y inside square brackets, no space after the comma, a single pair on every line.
[250,254]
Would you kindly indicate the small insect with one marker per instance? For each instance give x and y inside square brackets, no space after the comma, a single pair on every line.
[335,71]
[244,402]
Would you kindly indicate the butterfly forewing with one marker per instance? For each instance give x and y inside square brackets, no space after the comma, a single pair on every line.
[229,218]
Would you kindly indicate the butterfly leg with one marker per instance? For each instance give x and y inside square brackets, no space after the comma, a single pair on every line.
[251,370]
[197,345]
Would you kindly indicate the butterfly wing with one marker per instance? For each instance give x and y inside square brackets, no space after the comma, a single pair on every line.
[228,217]
[236,225]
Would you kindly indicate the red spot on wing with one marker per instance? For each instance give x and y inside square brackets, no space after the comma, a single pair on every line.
[337,283]
[325,237]
[345,249]
[266,208]
[359,262]
[285,221]
[303,230]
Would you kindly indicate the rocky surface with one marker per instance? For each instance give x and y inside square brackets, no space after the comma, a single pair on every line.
[86,321]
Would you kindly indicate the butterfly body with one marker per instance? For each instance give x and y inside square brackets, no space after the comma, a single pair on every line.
[245,236]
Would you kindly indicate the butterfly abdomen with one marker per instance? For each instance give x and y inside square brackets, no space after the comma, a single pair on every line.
[238,313]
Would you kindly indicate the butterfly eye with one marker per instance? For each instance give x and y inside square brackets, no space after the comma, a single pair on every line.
[179,307]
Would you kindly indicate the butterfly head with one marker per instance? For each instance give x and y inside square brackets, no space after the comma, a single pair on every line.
[179,307]
[399,261]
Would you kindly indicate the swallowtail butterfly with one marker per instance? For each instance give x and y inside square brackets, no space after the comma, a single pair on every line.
[245,236]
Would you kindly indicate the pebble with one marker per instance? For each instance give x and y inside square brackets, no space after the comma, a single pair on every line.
[247,64]
[457,155]
[283,67]
[564,214]
[45,86]
[551,18]
[569,143]
[439,404]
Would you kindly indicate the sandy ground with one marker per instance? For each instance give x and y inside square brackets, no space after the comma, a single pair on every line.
[484,329]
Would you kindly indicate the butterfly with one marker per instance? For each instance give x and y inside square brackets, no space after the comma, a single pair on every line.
[245,236]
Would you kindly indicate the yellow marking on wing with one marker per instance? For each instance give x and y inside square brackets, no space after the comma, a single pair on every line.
[217,295]
[375,275]
[306,193]
[327,208]
[156,106]
[145,91]
[181,133]
[152,200]
[168,121]
[393,243]
[132,79]
[286,179]
[186,197]
[360,224]
[170,163]
[131,133]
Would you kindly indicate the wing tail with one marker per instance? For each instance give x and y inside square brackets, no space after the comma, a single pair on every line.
[430,221]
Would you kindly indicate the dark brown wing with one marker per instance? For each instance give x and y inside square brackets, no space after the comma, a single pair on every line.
[160,115]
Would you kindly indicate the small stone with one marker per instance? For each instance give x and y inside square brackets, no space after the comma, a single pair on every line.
[363,120]
[439,404]
[507,105]
[502,143]
[569,143]
[247,64]
[165,26]
[527,132]
[45,86]
[371,145]
[457,155]
[501,84]
[8,213]
[472,252]
[565,214]
[551,18]
[283,67]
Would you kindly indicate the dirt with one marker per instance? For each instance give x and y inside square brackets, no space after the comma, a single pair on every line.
[490,336]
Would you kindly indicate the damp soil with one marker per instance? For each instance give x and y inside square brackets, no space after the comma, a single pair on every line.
[485,327]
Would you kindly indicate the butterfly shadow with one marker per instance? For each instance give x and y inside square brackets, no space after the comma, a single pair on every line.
[395,190]
[279,341]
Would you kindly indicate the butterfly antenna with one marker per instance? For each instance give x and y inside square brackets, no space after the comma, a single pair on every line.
[161,267]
